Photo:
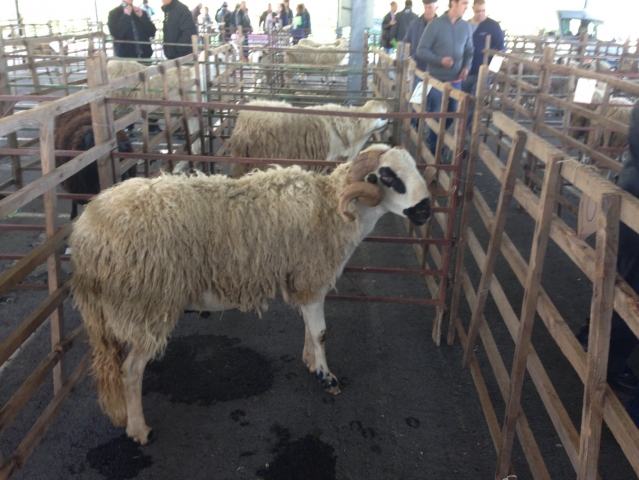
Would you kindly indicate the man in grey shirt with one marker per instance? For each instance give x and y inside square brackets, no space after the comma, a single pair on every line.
[447,48]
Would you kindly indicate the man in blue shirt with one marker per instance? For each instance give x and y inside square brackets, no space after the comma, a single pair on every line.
[481,26]
[416,30]
[447,48]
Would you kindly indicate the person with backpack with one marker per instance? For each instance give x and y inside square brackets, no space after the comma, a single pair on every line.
[223,17]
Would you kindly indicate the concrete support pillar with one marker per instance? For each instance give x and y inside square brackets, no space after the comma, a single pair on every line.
[358,26]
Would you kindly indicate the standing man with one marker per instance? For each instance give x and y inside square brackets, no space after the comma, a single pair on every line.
[223,16]
[129,23]
[178,28]
[387,24]
[195,13]
[416,30]
[481,26]
[146,8]
[447,48]
[242,20]
[402,21]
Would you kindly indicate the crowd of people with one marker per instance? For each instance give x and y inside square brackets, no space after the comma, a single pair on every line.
[132,27]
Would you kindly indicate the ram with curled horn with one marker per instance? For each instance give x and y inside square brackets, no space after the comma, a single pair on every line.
[233,243]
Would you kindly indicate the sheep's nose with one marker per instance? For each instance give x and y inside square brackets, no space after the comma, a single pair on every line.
[420,213]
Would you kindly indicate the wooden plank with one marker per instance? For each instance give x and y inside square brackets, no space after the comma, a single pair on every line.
[28,444]
[599,339]
[102,117]
[19,399]
[531,293]
[19,335]
[581,176]
[31,117]
[48,181]
[482,85]
[54,273]
[524,432]
[497,231]
[35,257]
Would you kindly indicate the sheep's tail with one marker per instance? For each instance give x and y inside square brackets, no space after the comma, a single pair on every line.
[107,361]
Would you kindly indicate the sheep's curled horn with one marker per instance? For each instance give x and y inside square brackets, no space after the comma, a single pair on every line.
[358,188]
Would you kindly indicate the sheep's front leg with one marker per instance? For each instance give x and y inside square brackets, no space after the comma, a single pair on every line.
[132,373]
[314,354]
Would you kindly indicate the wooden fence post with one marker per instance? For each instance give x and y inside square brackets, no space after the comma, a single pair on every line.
[497,231]
[601,311]
[47,157]
[5,110]
[482,85]
[528,311]
[102,115]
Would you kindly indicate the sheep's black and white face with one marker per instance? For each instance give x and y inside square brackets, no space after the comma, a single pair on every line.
[404,189]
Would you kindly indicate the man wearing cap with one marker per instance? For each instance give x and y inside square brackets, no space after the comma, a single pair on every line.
[481,26]
[416,30]
[222,17]
[447,48]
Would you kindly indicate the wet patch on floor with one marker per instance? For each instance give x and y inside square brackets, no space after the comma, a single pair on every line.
[308,458]
[120,458]
[208,369]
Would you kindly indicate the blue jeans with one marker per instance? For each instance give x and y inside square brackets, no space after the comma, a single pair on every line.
[434,104]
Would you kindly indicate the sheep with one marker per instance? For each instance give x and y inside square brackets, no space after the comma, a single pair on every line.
[74,131]
[620,113]
[308,52]
[227,243]
[313,137]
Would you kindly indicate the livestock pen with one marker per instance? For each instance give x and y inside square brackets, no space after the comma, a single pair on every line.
[369,432]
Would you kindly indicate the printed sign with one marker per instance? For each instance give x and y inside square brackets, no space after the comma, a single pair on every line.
[587,217]
[416,97]
[585,90]
[495,63]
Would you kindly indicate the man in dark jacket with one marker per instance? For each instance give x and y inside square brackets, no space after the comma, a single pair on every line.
[402,21]
[482,26]
[223,16]
[130,23]
[387,25]
[178,28]
[416,30]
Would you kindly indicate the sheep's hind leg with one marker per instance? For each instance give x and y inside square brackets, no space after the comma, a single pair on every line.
[316,329]
[132,373]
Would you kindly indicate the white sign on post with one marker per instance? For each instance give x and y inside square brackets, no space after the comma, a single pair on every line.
[585,90]
[416,97]
[495,63]
[587,217]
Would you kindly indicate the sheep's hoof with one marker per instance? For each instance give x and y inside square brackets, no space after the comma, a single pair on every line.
[147,436]
[329,382]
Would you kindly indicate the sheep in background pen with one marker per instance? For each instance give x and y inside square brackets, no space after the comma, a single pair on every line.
[619,109]
[307,52]
[295,136]
[74,131]
[227,243]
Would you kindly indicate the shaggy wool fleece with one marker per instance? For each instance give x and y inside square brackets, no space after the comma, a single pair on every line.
[145,249]
[295,136]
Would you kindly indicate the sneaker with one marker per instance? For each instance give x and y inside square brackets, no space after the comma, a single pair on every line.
[154,128]
[626,381]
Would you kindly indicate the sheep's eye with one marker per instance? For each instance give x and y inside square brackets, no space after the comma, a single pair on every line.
[372,178]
